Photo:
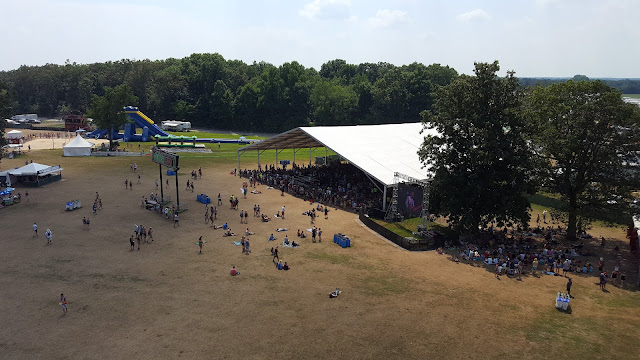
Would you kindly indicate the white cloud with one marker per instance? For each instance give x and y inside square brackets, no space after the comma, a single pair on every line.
[386,18]
[326,9]
[474,15]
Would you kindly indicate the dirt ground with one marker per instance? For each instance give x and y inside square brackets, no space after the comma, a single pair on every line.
[166,301]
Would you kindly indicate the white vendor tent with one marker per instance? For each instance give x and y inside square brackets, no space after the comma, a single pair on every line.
[14,134]
[35,174]
[77,147]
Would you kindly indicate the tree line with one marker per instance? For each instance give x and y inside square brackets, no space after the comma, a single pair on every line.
[212,92]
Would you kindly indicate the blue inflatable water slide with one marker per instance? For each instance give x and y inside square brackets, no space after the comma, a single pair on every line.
[149,128]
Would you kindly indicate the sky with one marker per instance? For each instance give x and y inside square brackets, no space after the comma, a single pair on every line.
[534,38]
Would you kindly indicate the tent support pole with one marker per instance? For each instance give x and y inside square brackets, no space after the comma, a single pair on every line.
[258,159]
[325,155]
[309,155]
[161,186]
[294,157]
[276,158]
[384,199]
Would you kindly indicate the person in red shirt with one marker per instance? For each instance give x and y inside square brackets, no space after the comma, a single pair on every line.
[233,271]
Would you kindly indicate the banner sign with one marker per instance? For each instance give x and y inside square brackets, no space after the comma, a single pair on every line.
[165,158]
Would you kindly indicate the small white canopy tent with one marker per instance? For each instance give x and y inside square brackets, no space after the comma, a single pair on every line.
[14,134]
[77,147]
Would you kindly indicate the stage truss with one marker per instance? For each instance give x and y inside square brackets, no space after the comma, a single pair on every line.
[394,215]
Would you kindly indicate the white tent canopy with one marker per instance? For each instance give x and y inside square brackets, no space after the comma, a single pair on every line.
[378,150]
[77,147]
[14,134]
[35,169]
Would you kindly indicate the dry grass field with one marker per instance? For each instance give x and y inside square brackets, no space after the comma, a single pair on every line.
[166,301]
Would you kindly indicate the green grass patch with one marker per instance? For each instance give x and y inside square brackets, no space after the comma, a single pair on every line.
[408,226]
[635,96]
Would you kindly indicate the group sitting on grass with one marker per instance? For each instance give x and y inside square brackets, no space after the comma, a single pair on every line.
[538,249]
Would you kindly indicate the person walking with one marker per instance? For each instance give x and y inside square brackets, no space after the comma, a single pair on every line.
[275,254]
[35,230]
[569,284]
[241,216]
[319,235]
[175,220]
[63,304]
[138,236]
[132,243]
[150,233]
[326,213]
[215,213]
[200,244]
[126,184]
[26,195]
[219,199]
[156,184]
[282,212]
[48,235]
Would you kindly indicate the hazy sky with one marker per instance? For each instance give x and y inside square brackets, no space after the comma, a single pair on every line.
[533,37]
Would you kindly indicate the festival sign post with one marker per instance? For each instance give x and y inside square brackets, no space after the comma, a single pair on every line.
[170,160]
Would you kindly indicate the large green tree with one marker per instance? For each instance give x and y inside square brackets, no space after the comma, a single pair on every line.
[589,140]
[107,111]
[479,155]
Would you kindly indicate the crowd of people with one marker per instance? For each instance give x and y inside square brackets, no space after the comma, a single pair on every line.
[338,184]
[536,250]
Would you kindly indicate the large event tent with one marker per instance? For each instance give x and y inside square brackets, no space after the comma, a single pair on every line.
[35,174]
[77,147]
[377,150]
